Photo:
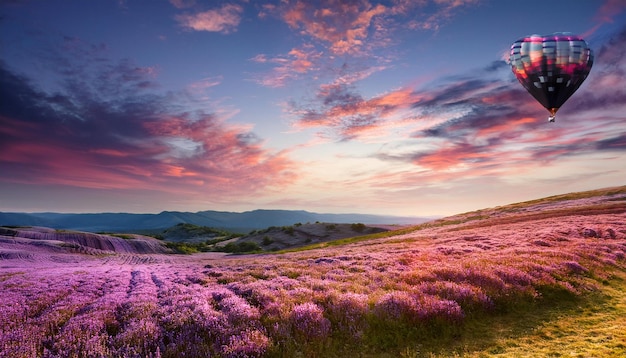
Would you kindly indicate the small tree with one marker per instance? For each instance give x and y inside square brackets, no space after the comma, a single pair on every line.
[359,227]
[267,240]
[241,247]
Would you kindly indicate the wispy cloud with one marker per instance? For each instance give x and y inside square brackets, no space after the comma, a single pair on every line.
[610,9]
[433,20]
[351,31]
[341,109]
[357,27]
[480,120]
[182,4]
[344,26]
[293,65]
[503,124]
[201,89]
[606,14]
[224,20]
[107,128]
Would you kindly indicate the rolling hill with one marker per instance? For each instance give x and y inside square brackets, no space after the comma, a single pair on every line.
[27,241]
[541,278]
[231,221]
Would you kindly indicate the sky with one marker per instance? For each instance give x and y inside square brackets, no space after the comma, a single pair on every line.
[396,107]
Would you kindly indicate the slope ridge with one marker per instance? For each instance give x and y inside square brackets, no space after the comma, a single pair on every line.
[80,242]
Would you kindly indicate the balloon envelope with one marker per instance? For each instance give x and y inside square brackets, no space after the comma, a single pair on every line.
[551,67]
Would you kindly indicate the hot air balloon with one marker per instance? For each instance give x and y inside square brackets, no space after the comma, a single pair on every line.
[551,67]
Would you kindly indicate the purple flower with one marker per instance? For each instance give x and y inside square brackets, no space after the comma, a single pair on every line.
[433,308]
[464,294]
[308,320]
[575,267]
[349,311]
[396,305]
[248,343]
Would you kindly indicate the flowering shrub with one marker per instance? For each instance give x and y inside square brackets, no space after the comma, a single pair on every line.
[465,295]
[396,306]
[309,322]
[349,313]
[248,344]
[575,267]
[433,308]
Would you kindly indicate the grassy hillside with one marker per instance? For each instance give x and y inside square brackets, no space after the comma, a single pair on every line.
[28,241]
[593,202]
[590,325]
[189,238]
[544,278]
[294,236]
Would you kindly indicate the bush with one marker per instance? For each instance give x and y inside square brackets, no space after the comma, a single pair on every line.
[267,240]
[182,248]
[241,247]
[396,306]
[348,312]
[309,322]
[359,227]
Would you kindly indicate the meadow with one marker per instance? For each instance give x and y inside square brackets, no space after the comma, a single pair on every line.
[545,278]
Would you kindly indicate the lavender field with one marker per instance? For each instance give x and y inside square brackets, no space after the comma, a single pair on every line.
[372,296]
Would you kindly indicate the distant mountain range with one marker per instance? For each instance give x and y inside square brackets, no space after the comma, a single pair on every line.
[239,222]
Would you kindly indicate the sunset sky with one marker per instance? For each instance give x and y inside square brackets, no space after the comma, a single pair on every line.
[394,107]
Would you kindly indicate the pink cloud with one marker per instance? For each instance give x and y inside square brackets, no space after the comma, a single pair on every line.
[445,10]
[338,28]
[505,126]
[205,83]
[47,163]
[226,165]
[350,113]
[301,63]
[394,184]
[225,19]
[344,26]
[605,14]
[77,138]
[182,4]
[297,62]
[450,156]
[609,10]
[109,152]
[260,58]
[484,120]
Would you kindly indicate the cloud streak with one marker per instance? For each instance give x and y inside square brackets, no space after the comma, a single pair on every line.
[342,110]
[292,66]
[356,27]
[224,20]
[343,26]
[351,31]
[472,122]
[106,129]
[445,11]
